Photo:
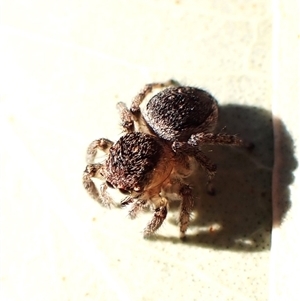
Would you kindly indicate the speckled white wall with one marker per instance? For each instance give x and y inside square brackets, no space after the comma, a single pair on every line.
[65,65]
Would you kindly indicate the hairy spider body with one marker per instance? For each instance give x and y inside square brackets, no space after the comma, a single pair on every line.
[147,163]
[178,112]
[138,162]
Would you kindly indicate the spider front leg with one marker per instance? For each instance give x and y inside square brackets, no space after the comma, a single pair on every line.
[100,144]
[186,207]
[160,215]
[101,195]
[137,205]
[135,105]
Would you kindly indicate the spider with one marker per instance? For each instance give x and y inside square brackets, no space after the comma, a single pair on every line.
[156,153]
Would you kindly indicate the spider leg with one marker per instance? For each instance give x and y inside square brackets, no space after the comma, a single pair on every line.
[126,117]
[100,144]
[158,218]
[209,166]
[221,139]
[202,159]
[186,207]
[137,207]
[101,195]
[135,105]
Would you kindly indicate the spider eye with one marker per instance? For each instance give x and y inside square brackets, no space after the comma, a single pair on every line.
[123,191]
[109,184]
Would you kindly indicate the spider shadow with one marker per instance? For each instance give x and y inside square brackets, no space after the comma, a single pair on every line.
[239,216]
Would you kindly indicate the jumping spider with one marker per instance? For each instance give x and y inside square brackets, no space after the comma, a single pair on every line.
[156,152]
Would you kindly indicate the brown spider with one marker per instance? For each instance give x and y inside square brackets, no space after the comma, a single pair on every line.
[156,154]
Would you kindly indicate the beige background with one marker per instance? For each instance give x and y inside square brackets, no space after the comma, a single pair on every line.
[65,65]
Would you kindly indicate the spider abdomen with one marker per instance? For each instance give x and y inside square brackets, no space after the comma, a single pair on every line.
[178,112]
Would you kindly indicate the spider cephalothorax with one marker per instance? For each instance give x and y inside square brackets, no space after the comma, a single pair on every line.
[148,156]
[146,161]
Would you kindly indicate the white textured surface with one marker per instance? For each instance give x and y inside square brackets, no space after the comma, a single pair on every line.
[285,260]
[64,66]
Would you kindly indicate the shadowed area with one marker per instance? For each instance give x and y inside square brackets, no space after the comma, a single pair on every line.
[239,216]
